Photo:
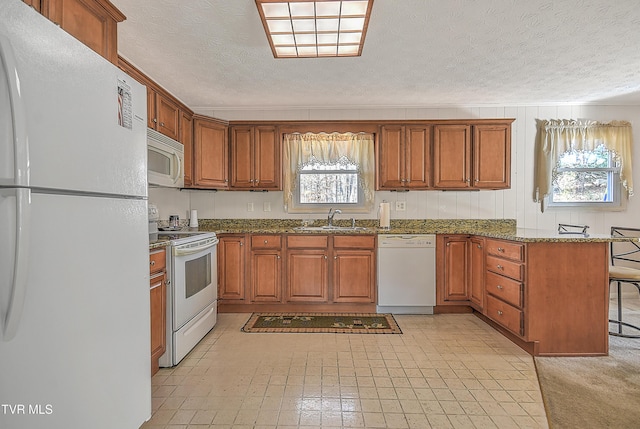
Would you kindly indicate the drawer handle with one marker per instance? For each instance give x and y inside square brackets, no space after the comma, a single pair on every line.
[500,287]
[500,249]
[499,313]
[265,241]
[152,263]
[500,267]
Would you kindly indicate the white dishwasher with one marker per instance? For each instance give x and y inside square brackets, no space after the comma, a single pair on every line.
[406,273]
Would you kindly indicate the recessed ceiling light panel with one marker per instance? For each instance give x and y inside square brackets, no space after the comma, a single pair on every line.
[308,28]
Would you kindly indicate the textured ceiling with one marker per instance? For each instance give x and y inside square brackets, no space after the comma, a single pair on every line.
[213,54]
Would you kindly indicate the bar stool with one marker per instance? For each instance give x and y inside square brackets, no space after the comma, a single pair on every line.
[630,253]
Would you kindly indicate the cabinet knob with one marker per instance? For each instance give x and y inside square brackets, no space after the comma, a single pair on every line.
[479,246]
[241,243]
[265,241]
[500,287]
[278,256]
[152,263]
[500,249]
[325,257]
[335,257]
[162,124]
[499,313]
[155,121]
[500,267]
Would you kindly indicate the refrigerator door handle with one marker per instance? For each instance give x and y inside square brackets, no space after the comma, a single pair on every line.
[18,116]
[12,309]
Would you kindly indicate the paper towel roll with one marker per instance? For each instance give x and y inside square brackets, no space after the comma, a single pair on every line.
[193,223]
[385,215]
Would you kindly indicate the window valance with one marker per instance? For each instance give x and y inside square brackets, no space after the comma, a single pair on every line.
[557,136]
[302,149]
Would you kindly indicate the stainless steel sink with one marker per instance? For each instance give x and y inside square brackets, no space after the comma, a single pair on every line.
[328,228]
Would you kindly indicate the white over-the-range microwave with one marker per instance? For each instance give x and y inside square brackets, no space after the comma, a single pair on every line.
[165,160]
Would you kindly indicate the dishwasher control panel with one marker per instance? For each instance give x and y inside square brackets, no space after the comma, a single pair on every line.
[407,240]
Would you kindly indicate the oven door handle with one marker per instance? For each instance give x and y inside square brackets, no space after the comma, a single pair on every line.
[179,251]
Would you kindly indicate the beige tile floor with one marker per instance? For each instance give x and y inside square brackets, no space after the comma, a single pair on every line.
[444,371]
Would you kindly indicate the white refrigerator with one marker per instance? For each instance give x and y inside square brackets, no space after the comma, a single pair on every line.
[74,279]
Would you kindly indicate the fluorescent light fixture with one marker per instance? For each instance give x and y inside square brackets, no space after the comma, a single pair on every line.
[311,29]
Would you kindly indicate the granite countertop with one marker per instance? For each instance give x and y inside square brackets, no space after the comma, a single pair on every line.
[492,228]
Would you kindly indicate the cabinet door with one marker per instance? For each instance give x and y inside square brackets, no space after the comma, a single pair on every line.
[168,116]
[93,22]
[307,275]
[266,275]
[455,268]
[36,4]
[267,164]
[158,307]
[418,157]
[231,267]
[152,118]
[452,156]
[476,272]
[242,157]
[186,138]
[391,157]
[492,156]
[211,154]
[353,276]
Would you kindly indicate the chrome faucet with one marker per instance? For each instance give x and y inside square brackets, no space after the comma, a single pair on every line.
[331,215]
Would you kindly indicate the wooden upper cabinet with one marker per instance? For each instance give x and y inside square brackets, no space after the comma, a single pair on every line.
[452,156]
[210,153]
[476,156]
[255,158]
[93,22]
[163,114]
[404,157]
[36,4]
[186,138]
[492,156]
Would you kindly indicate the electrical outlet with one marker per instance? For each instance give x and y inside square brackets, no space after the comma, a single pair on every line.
[249,207]
[401,206]
[266,206]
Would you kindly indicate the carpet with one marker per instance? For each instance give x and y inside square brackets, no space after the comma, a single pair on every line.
[339,323]
[593,392]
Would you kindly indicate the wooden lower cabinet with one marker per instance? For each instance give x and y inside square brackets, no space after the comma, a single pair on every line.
[158,305]
[453,261]
[476,272]
[307,268]
[354,269]
[266,268]
[309,272]
[231,267]
[550,298]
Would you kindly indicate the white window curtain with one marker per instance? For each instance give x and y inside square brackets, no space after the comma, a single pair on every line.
[302,149]
[557,136]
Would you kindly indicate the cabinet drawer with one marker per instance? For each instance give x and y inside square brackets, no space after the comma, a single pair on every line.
[504,314]
[157,261]
[505,267]
[307,241]
[354,241]
[266,242]
[504,288]
[505,249]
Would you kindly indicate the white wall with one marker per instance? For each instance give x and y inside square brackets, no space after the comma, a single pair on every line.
[515,203]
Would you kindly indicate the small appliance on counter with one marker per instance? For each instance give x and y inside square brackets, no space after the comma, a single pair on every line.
[384,214]
[153,216]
